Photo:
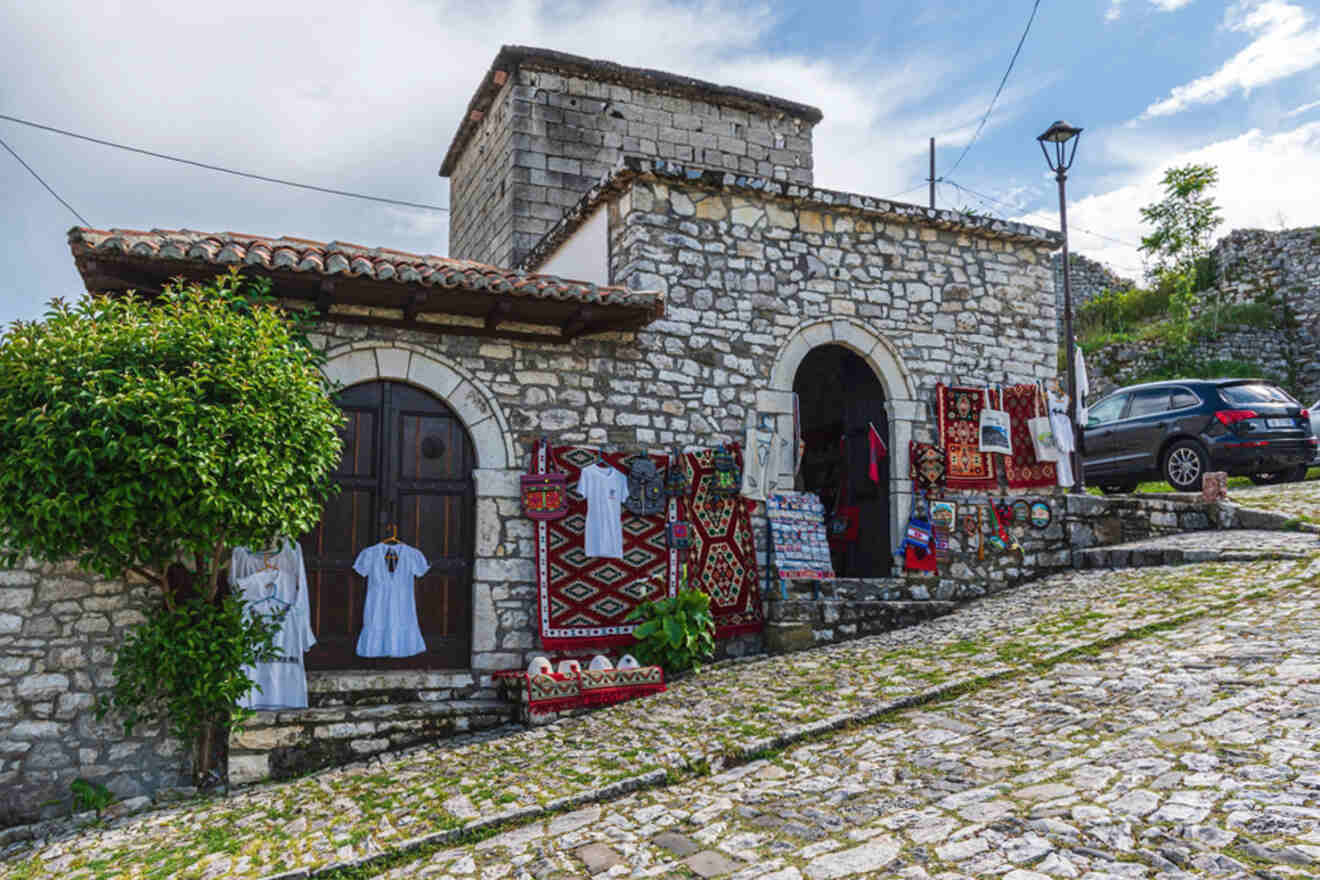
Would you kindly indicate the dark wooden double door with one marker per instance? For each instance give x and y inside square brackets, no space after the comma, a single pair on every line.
[407,464]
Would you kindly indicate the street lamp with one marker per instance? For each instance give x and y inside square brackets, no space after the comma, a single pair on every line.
[1060,134]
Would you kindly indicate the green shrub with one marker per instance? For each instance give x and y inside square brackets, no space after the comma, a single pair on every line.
[677,632]
[89,795]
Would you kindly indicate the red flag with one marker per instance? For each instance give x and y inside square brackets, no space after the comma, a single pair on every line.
[878,451]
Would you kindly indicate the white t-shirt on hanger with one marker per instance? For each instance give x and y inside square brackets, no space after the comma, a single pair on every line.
[604,488]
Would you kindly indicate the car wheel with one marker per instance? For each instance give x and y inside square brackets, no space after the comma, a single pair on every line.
[1298,474]
[1184,465]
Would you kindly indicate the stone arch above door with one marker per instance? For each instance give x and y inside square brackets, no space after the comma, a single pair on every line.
[884,360]
[467,396]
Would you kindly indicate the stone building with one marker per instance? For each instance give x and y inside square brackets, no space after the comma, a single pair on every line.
[714,281]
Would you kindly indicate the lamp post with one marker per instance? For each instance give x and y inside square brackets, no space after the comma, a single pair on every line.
[1060,134]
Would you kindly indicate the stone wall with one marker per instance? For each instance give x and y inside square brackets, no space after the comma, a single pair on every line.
[1282,355]
[1254,264]
[1089,279]
[549,136]
[59,628]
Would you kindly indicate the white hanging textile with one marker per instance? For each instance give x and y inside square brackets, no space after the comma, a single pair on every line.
[270,583]
[389,621]
[1063,436]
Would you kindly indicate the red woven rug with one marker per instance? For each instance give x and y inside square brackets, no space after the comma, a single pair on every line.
[583,600]
[722,560]
[1022,469]
[959,413]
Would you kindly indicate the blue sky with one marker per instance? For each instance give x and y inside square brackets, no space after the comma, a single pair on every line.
[340,95]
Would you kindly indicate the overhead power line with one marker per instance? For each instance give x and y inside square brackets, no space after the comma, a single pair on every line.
[981,195]
[209,167]
[999,90]
[34,173]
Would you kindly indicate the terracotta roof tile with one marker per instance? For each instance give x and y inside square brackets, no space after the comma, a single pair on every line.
[342,258]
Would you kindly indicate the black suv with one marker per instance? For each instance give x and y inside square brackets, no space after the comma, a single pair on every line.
[1179,430]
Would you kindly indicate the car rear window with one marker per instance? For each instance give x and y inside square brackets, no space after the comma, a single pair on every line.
[1182,397]
[1253,393]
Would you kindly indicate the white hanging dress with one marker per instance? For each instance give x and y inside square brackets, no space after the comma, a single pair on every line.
[389,621]
[280,683]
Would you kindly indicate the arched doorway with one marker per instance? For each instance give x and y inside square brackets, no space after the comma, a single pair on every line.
[407,461]
[840,397]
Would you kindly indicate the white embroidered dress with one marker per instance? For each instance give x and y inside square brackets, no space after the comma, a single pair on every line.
[389,621]
[280,683]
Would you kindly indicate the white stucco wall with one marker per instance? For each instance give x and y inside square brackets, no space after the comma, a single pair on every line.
[585,255]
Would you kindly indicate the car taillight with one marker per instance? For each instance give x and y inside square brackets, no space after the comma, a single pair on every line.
[1233,416]
[1304,414]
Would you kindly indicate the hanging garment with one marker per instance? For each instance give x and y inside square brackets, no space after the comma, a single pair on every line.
[876,451]
[1083,384]
[389,620]
[765,451]
[267,590]
[604,488]
[1063,436]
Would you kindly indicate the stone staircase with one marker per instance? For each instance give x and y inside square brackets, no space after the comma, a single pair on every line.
[1228,545]
[354,715]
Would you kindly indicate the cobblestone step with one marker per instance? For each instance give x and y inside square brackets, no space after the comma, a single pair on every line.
[1230,545]
[282,745]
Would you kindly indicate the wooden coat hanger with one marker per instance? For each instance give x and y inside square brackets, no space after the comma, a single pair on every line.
[394,535]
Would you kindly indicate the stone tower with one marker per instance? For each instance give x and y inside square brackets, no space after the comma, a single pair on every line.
[544,127]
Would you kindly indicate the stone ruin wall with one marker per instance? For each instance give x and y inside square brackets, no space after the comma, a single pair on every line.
[1250,265]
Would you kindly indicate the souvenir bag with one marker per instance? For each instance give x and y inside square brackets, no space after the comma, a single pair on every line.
[926,466]
[995,433]
[676,480]
[678,534]
[845,522]
[1042,435]
[918,545]
[728,476]
[646,495]
[544,496]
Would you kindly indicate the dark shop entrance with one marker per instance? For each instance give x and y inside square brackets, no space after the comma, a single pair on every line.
[839,398]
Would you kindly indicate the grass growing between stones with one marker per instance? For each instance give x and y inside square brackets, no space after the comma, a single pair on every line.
[723,717]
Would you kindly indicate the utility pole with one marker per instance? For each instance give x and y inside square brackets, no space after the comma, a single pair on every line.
[932,172]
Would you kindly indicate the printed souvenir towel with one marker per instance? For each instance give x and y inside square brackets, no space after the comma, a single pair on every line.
[722,561]
[959,414]
[583,600]
[1022,468]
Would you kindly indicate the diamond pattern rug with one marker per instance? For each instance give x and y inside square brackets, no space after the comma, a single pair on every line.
[722,561]
[583,600]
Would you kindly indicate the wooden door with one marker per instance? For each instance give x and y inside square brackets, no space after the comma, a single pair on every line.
[407,461]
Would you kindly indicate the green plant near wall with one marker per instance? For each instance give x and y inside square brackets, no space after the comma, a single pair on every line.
[88,795]
[676,632]
[147,438]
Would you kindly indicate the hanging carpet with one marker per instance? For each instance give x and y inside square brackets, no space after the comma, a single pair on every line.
[959,413]
[722,561]
[583,600]
[1022,468]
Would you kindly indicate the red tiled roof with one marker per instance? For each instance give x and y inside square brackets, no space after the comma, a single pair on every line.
[339,258]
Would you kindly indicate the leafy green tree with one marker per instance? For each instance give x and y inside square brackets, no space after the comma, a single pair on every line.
[1183,220]
[138,434]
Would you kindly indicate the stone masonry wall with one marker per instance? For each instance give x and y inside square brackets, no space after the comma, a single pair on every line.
[59,628]
[481,191]
[564,133]
[1089,279]
[1252,264]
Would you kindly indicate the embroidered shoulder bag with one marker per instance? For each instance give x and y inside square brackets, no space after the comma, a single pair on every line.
[544,496]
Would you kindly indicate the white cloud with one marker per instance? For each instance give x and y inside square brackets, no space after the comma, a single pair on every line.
[1298,111]
[1288,43]
[1262,178]
[1169,5]
[1114,11]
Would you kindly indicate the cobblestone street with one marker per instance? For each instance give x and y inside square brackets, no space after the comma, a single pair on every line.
[1187,753]
[1009,735]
